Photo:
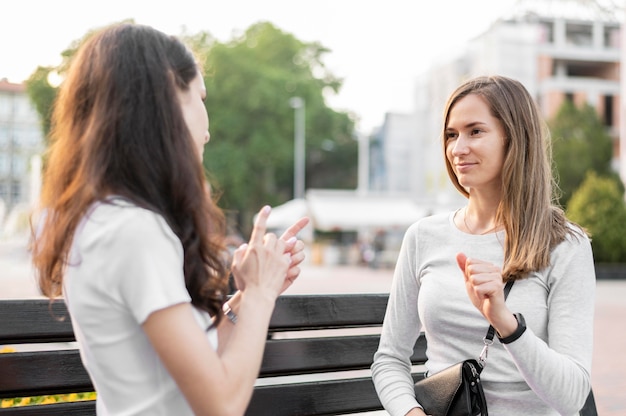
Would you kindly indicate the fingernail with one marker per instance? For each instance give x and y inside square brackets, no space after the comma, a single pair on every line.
[292,240]
[267,209]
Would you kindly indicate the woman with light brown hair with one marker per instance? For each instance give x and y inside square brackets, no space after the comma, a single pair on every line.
[134,243]
[452,269]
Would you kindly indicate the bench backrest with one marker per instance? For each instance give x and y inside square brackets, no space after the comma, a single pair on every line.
[316,359]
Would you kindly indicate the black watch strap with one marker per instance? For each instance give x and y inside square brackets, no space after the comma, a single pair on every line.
[521,327]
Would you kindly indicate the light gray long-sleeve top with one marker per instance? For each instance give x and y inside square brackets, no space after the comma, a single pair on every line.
[544,372]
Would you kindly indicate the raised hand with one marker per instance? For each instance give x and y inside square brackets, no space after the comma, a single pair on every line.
[262,263]
[295,248]
[484,285]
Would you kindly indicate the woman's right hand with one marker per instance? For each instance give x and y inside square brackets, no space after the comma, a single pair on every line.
[262,264]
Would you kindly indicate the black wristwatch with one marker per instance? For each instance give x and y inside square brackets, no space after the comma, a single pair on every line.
[521,327]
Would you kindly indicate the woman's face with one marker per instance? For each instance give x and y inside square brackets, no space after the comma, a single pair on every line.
[194,112]
[475,144]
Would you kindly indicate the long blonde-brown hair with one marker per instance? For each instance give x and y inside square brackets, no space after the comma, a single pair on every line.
[534,225]
[118,129]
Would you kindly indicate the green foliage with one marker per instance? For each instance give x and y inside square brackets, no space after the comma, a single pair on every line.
[250,81]
[580,143]
[598,205]
[42,94]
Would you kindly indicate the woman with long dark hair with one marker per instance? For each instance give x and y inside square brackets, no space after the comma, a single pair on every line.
[134,242]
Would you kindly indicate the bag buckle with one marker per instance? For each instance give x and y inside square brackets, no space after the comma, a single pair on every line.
[482,358]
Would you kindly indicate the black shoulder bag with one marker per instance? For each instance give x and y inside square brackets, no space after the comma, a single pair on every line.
[457,390]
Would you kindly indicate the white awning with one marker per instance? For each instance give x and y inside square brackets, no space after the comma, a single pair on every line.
[351,211]
[335,210]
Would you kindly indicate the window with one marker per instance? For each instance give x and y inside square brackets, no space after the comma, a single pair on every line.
[578,34]
[4,136]
[612,37]
[4,164]
[16,191]
[18,166]
[547,32]
[608,110]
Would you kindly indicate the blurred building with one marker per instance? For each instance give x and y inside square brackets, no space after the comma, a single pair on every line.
[559,49]
[21,139]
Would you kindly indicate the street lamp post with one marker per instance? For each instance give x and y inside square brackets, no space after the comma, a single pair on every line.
[297,103]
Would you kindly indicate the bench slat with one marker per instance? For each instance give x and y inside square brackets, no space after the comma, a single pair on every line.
[334,397]
[34,320]
[57,409]
[318,355]
[41,373]
[293,312]
[301,312]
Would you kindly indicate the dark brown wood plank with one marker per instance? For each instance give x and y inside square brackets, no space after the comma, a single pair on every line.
[34,320]
[301,312]
[85,408]
[314,355]
[41,373]
[330,397]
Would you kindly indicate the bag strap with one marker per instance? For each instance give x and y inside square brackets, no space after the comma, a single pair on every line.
[491,332]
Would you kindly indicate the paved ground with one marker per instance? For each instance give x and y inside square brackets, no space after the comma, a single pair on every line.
[609,366]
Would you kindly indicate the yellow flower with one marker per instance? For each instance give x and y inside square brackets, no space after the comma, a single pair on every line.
[6,403]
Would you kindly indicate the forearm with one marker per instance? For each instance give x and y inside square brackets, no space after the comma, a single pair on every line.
[241,352]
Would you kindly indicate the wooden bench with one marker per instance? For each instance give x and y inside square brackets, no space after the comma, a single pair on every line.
[316,361]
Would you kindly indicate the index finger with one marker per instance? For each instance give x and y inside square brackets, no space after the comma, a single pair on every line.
[295,229]
[258,231]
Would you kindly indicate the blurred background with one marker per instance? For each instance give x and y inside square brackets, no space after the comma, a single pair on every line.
[332,109]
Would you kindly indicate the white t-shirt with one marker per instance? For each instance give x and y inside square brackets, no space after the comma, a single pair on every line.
[126,263]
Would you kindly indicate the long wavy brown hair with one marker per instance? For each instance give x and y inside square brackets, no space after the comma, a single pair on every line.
[118,129]
[533,223]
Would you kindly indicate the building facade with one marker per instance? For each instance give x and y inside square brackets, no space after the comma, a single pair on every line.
[21,139]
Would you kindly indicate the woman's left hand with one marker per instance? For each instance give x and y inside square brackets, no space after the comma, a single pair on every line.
[485,288]
[295,249]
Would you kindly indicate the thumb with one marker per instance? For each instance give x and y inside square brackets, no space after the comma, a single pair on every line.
[461,259]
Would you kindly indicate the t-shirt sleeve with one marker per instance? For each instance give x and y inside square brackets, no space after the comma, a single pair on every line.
[150,265]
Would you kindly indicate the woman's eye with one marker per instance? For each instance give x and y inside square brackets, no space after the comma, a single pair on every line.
[450,136]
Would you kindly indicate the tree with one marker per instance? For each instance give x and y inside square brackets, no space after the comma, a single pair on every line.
[598,205]
[42,94]
[250,81]
[580,143]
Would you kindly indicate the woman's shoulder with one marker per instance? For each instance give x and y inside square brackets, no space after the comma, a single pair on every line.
[576,243]
[126,222]
[432,221]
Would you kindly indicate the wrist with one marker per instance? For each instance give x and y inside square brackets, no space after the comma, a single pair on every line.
[229,313]
[520,328]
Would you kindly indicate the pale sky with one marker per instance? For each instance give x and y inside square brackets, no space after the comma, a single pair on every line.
[378,47]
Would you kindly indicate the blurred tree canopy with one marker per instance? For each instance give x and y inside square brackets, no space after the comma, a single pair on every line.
[580,143]
[250,81]
[598,205]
